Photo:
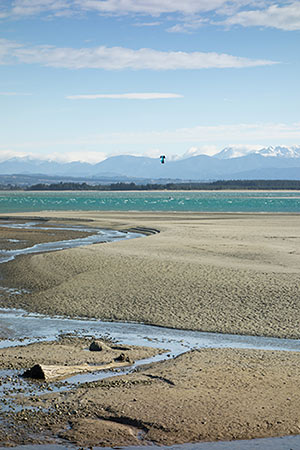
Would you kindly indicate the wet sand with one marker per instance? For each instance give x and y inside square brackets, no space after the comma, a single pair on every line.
[14,238]
[228,273]
[69,350]
[204,395]
[231,273]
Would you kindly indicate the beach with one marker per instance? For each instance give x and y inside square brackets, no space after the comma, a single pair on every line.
[216,272]
[228,273]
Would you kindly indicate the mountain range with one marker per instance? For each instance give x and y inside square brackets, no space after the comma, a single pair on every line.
[230,163]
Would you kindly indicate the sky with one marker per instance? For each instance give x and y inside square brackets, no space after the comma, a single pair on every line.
[88,79]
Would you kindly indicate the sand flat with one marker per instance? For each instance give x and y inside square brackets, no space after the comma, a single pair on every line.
[232,273]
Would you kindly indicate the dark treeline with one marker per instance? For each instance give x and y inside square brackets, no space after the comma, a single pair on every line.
[11,187]
[215,185]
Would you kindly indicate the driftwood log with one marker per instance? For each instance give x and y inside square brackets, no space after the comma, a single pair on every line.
[54,373]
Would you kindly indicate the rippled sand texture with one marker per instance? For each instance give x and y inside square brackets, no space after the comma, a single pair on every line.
[203,395]
[231,273]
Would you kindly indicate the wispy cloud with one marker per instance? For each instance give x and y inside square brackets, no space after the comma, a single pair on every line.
[276,16]
[35,7]
[14,94]
[147,24]
[7,50]
[83,156]
[191,14]
[86,156]
[118,58]
[117,7]
[129,96]
[240,132]
[188,25]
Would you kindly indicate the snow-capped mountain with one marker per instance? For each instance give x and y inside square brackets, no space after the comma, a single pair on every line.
[276,152]
[281,152]
[234,152]
[231,163]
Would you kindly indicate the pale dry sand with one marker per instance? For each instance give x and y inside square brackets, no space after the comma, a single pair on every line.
[231,273]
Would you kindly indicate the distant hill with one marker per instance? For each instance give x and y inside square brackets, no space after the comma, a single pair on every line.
[230,163]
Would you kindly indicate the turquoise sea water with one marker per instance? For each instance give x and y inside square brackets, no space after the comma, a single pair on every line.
[208,201]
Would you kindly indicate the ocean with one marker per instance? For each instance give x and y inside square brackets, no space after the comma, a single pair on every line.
[201,201]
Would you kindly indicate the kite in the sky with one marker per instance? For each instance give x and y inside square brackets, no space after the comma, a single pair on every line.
[162,159]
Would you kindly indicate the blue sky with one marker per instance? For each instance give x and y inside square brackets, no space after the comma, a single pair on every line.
[87,79]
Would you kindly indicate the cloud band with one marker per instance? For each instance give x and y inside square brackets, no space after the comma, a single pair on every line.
[129,96]
[120,58]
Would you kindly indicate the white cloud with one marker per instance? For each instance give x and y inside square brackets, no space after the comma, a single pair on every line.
[152,7]
[7,49]
[276,16]
[82,155]
[147,24]
[117,7]
[68,156]
[203,150]
[152,153]
[237,133]
[188,26]
[117,58]
[35,7]
[7,154]
[282,14]
[130,96]
[227,135]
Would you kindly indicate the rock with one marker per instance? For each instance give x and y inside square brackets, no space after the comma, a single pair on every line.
[96,346]
[123,358]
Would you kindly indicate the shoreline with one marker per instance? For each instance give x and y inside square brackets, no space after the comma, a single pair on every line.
[161,190]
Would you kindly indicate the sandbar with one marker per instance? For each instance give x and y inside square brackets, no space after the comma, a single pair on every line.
[228,273]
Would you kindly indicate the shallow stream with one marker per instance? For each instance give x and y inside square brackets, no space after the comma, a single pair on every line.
[98,236]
